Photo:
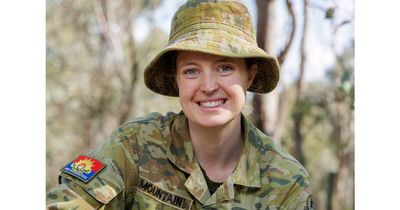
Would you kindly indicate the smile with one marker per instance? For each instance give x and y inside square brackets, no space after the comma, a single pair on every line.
[212,104]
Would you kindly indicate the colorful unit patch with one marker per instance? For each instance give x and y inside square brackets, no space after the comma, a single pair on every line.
[83,168]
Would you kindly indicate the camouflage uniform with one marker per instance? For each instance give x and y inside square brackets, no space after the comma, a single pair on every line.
[150,165]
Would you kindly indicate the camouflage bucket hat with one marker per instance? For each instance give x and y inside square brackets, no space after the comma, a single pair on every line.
[219,27]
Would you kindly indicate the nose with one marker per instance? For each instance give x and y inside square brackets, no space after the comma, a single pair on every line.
[209,82]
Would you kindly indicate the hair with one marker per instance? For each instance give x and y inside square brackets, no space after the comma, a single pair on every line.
[250,61]
[170,59]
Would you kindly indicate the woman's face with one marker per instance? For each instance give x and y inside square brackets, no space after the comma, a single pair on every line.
[212,88]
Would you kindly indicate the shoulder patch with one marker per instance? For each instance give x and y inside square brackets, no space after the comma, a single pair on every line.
[84,168]
[310,203]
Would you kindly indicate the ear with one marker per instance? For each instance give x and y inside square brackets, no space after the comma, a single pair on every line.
[252,74]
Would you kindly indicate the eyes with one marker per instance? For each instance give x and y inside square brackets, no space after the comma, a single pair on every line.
[225,70]
[191,73]
[221,70]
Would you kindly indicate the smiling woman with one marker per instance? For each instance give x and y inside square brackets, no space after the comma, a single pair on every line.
[212,88]
[209,155]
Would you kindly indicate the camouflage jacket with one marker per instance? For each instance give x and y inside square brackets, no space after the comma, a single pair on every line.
[149,164]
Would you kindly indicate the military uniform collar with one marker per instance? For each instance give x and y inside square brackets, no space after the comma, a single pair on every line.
[181,154]
[180,151]
[247,171]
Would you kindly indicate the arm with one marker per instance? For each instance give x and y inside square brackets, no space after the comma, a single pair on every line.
[111,188]
[300,195]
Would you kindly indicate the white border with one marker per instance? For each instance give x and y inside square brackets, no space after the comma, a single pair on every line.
[22,106]
[377,106]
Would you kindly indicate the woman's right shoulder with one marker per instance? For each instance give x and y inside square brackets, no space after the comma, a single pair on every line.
[154,126]
[152,119]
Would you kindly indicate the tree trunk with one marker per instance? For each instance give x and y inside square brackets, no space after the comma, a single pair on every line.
[298,111]
[281,107]
[122,47]
[342,118]
[269,110]
[127,101]
[259,103]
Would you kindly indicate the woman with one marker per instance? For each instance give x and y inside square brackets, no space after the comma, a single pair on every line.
[207,156]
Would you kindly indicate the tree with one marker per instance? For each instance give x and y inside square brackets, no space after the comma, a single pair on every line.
[320,130]
[92,72]
[271,122]
[298,112]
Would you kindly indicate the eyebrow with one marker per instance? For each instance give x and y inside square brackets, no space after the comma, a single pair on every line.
[220,60]
[186,63]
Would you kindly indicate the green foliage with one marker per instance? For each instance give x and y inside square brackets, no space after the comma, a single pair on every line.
[327,117]
[329,13]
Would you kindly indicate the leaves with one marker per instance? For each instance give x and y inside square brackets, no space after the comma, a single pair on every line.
[329,13]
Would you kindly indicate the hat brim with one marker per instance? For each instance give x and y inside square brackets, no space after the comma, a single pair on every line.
[158,78]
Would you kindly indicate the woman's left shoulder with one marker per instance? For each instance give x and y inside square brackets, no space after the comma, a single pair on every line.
[273,156]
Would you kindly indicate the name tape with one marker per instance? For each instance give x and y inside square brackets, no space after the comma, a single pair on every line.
[162,195]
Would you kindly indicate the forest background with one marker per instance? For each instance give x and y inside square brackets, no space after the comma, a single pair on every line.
[96,52]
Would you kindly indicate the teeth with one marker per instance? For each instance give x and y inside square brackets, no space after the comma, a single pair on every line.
[211,104]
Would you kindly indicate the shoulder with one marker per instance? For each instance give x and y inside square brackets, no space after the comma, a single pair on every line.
[275,162]
[152,128]
[154,119]
[282,176]
[121,155]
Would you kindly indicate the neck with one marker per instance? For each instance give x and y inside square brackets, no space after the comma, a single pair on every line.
[217,149]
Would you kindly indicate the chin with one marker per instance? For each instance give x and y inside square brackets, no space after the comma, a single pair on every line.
[213,121]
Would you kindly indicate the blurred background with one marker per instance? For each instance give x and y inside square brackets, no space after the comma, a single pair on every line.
[97,50]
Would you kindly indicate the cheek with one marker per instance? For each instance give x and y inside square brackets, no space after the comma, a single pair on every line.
[186,88]
[238,92]
[236,84]
[235,90]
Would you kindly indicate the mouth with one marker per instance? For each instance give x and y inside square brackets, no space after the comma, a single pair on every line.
[212,104]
